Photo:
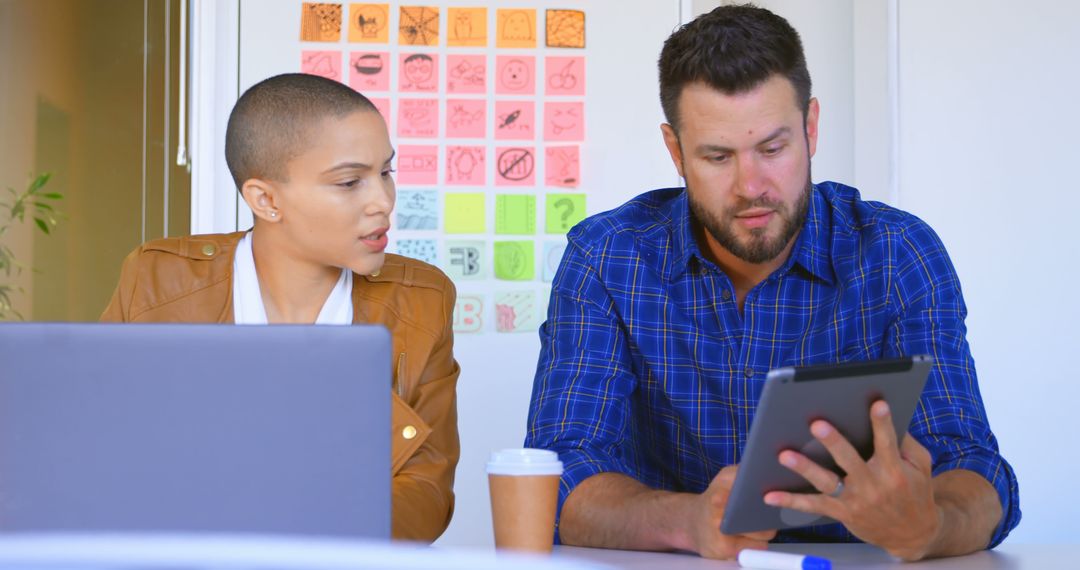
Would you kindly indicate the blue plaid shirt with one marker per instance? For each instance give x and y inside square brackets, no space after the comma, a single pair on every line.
[647,367]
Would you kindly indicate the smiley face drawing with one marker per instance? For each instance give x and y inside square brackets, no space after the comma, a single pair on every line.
[515,75]
[419,69]
[564,120]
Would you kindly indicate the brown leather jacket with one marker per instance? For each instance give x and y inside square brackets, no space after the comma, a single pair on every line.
[189,279]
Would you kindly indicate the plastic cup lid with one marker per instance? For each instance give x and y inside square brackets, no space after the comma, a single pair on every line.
[524,461]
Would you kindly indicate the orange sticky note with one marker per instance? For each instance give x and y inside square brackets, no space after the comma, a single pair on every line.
[369,23]
[466,27]
[516,28]
[565,28]
[320,22]
[418,26]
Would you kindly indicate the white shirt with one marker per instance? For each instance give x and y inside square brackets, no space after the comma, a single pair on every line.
[248,306]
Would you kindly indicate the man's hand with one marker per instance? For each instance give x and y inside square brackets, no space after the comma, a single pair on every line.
[612,510]
[705,533]
[887,501]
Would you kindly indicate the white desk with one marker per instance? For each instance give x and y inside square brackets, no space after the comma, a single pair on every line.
[1018,557]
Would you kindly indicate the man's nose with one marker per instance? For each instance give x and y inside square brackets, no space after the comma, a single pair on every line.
[749,179]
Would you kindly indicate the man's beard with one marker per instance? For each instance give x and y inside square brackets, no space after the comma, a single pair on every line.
[758,248]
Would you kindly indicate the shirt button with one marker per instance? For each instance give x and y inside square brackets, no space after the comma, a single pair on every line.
[409,432]
[375,273]
[726,294]
[208,250]
[749,372]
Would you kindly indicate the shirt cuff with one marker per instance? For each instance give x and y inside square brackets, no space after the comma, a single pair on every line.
[1000,474]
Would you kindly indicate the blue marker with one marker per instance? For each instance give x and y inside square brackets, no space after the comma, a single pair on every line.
[765,560]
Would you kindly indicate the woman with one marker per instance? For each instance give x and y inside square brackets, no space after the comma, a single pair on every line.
[311,158]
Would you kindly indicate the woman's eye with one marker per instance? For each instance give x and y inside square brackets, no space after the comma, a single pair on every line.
[386,173]
[349,183]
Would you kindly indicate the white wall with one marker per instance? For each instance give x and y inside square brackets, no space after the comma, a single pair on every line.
[988,147]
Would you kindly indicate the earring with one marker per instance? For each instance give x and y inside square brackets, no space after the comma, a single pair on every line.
[273,214]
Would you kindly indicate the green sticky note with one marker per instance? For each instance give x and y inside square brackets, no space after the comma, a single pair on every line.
[563,211]
[515,214]
[464,213]
[514,260]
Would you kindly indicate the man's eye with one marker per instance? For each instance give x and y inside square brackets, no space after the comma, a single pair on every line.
[719,159]
[769,151]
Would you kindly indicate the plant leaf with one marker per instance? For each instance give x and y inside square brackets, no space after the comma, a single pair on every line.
[41,224]
[38,182]
[43,206]
[52,196]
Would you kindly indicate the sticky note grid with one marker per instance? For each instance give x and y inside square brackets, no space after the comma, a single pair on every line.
[486,108]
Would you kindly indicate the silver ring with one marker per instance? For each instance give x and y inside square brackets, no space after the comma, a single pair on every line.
[839,489]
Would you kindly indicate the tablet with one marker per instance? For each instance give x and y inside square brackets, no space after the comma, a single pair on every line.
[794,397]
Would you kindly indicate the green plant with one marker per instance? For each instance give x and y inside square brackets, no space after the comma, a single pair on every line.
[45,216]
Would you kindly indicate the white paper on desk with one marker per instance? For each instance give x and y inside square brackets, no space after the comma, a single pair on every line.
[150,551]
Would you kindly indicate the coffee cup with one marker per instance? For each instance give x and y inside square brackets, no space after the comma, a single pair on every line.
[524,485]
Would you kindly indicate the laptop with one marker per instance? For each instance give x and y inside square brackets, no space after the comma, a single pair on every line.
[180,427]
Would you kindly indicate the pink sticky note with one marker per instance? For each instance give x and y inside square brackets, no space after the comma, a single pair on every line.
[418,118]
[323,63]
[515,166]
[382,105]
[564,76]
[369,71]
[515,75]
[418,72]
[515,120]
[466,74]
[562,166]
[465,165]
[564,121]
[466,118]
[418,164]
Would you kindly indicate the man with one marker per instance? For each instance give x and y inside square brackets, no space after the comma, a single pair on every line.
[667,313]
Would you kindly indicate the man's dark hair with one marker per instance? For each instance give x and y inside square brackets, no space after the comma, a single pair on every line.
[732,49]
[273,120]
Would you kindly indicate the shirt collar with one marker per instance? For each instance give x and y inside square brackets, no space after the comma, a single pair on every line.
[811,251]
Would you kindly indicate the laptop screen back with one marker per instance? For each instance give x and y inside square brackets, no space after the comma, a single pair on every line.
[168,427]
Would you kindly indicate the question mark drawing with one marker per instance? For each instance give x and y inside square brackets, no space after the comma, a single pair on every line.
[567,206]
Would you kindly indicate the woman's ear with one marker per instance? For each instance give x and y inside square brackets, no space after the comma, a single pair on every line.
[260,197]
